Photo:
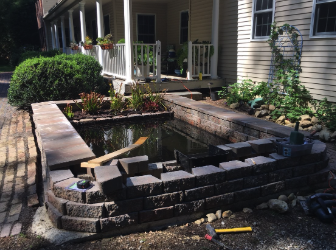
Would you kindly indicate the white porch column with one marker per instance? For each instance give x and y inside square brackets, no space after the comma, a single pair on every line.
[215,24]
[100,28]
[56,35]
[158,61]
[52,35]
[128,20]
[71,26]
[63,34]
[82,20]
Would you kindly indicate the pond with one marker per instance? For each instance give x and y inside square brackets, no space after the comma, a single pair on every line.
[163,137]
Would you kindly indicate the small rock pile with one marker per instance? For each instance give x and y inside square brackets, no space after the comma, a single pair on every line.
[282,204]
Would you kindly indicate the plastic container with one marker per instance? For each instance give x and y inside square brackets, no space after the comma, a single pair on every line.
[287,150]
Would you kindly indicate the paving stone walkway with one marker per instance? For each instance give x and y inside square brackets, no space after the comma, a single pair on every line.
[17,163]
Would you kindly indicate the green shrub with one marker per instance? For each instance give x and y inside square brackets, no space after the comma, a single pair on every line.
[32,54]
[62,77]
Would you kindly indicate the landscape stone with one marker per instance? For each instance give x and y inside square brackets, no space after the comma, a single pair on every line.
[74,209]
[236,169]
[116,208]
[283,198]
[234,105]
[219,201]
[61,191]
[117,222]
[257,114]
[54,215]
[134,165]
[314,120]
[306,124]
[241,149]
[156,214]
[325,135]
[247,210]
[291,197]
[109,178]
[264,112]
[278,205]
[281,120]
[262,164]
[211,217]
[262,206]
[219,214]
[80,224]
[60,175]
[177,181]
[163,200]
[199,193]
[142,186]
[262,146]
[189,207]
[227,214]
[271,107]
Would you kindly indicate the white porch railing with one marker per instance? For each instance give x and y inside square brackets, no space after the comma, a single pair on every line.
[199,57]
[146,58]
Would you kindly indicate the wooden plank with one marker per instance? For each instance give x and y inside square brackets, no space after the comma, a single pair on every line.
[105,158]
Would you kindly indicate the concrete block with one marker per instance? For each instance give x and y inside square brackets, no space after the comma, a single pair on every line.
[75,209]
[311,158]
[255,180]
[54,215]
[247,194]
[61,191]
[134,165]
[142,186]
[117,222]
[219,200]
[116,208]
[322,164]
[154,169]
[304,170]
[261,164]
[285,162]
[296,182]
[241,149]
[272,188]
[220,149]
[164,200]
[108,178]
[94,195]
[236,169]
[189,207]
[177,181]
[280,175]
[58,203]
[229,186]
[80,224]
[156,214]
[320,177]
[208,175]
[262,146]
[60,175]
[199,193]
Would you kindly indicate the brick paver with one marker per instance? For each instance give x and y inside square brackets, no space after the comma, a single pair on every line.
[17,162]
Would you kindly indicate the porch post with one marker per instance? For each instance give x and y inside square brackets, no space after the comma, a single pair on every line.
[63,35]
[100,28]
[52,35]
[128,40]
[215,24]
[71,26]
[82,20]
[46,36]
[190,67]
[158,61]
[56,35]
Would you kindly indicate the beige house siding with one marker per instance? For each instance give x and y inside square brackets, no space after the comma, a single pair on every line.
[318,55]
[228,43]
[201,20]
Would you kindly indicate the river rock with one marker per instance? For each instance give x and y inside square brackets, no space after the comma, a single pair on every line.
[291,197]
[247,210]
[293,203]
[268,117]
[278,205]
[281,120]
[317,127]
[283,198]
[314,120]
[305,118]
[271,107]
[287,122]
[200,221]
[219,214]
[262,206]
[306,124]
[211,217]
[234,105]
[265,106]
[264,112]
[325,135]
[257,114]
[227,214]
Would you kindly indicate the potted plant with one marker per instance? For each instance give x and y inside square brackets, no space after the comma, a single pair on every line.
[88,43]
[74,45]
[105,42]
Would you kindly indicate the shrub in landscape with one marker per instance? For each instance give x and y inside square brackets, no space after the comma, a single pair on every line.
[62,77]
[33,53]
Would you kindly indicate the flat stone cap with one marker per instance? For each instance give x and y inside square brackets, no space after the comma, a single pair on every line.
[259,160]
[234,165]
[260,142]
[175,175]
[223,147]
[60,175]
[105,173]
[141,180]
[276,156]
[205,170]
[133,159]
[238,145]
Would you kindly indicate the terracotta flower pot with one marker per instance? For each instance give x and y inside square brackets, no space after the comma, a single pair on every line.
[87,47]
[74,48]
[106,46]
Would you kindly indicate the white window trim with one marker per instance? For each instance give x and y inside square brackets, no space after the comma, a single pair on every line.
[137,27]
[180,25]
[312,23]
[264,38]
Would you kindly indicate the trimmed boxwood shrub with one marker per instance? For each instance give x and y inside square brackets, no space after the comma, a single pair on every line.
[31,54]
[61,77]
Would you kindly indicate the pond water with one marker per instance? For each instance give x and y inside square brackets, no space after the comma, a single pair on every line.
[163,137]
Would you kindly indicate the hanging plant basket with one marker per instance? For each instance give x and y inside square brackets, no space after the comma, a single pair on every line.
[106,46]
[75,48]
[87,47]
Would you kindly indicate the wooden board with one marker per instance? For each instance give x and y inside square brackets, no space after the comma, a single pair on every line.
[105,158]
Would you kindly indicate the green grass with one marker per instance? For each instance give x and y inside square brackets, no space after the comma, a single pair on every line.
[6,68]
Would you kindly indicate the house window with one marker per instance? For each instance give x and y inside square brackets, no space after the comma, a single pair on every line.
[94,32]
[184,20]
[146,28]
[323,18]
[262,18]
[107,25]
